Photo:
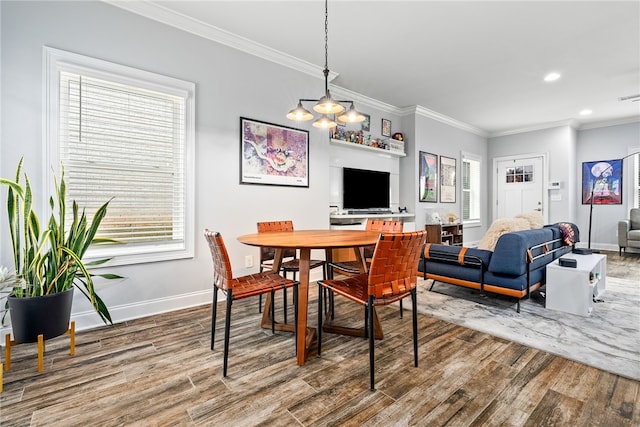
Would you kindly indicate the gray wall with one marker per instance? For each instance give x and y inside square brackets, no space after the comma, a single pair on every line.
[566,149]
[439,138]
[606,143]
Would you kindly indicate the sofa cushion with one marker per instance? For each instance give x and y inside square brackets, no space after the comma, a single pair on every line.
[509,255]
[500,227]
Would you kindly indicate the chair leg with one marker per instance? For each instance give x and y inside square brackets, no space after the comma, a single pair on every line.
[414,310]
[401,309]
[260,303]
[214,310]
[284,301]
[366,322]
[227,328]
[273,311]
[371,342]
[319,329]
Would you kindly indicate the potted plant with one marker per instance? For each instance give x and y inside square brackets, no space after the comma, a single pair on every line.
[49,261]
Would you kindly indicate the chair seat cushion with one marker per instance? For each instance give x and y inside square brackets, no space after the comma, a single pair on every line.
[258,284]
[633,235]
[349,267]
[294,264]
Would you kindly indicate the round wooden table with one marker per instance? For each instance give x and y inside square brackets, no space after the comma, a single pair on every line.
[305,241]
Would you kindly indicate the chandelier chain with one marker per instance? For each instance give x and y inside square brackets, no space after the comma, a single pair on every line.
[326,35]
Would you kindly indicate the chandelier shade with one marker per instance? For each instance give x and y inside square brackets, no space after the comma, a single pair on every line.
[326,106]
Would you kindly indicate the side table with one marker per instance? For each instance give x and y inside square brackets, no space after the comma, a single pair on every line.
[572,290]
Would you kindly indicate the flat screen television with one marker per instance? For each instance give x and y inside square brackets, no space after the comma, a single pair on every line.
[364,189]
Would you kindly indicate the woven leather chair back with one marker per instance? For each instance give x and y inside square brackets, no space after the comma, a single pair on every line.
[395,262]
[222,272]
[267,254]
[381,226]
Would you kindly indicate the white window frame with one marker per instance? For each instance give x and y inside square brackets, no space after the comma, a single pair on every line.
[55,60]
[475,222]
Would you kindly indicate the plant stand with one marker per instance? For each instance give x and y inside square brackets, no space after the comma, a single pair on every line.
[10,343]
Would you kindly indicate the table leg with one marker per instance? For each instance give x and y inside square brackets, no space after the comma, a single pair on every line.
[304,341]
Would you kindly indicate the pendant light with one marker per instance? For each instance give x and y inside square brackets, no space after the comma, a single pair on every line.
[326,106]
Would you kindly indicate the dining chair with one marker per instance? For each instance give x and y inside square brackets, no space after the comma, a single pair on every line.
[236,288]
[290,262]
[391,277]
[352,268]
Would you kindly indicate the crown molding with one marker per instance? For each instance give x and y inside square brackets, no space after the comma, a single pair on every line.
[542,126]
[607,123]
[425,112]
[169,17]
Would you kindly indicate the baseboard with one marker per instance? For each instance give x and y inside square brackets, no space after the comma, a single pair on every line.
[125,312]
[122,313]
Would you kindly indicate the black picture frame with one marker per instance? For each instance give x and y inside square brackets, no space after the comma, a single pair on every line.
[385,128]
[428,177]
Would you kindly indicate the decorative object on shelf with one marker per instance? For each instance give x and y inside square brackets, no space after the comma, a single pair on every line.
[386,128]
[428,179]
[326,106]
[447,180]
[49,261]
[273,155]
[398,136]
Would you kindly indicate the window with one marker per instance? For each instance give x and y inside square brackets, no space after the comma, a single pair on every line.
[470,188]
[126,135]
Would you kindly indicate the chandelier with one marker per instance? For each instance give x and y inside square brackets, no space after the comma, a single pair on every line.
[326,106]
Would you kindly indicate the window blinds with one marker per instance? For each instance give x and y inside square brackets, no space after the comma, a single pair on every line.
[124,143]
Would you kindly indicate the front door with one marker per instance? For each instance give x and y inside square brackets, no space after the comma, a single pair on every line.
[520,187]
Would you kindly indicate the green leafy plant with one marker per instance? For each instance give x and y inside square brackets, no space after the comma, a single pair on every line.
[49,260]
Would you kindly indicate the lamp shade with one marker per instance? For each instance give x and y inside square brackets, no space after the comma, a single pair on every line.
[324,122]
[299,113]
[326,105]
[351,116]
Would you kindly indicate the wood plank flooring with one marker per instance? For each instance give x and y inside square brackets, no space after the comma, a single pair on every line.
[160,371]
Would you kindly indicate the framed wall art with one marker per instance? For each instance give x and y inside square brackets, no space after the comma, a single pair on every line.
[272,154]
[447,180]
[428,179]
[602,180]
[386,127]
[366,124]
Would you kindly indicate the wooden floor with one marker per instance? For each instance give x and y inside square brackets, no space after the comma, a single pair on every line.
[160,371]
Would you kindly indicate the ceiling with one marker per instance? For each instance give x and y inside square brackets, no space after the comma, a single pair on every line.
[478,62]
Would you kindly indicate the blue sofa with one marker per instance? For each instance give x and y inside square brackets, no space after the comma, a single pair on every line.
[515,267]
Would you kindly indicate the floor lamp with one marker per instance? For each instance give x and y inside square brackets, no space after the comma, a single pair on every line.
[593,187]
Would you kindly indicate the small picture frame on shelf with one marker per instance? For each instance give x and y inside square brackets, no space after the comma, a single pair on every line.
[366,124]
[386,127]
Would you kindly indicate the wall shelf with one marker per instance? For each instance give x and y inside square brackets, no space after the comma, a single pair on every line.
[366,147]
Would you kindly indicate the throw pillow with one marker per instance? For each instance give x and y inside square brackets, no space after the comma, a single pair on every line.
[500,227]
[568,235]
[534,217]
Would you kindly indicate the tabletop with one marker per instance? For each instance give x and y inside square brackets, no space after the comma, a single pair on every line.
[312,239]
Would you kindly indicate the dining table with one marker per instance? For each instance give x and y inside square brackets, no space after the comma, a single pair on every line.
[305,241]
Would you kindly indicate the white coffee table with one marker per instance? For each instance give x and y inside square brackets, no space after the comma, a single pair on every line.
[572,290]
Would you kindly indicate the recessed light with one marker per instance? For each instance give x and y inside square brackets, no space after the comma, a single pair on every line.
[585,112]
[552,77]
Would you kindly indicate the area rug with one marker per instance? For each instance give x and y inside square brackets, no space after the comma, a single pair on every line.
[608,339]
